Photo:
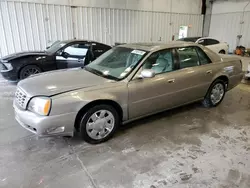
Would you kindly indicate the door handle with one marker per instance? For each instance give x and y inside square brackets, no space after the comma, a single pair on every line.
[209,72]
[79,60]
[171,81]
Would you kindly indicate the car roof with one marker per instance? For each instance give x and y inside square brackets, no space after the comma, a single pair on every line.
[158,46]
[193,39]
[81,40]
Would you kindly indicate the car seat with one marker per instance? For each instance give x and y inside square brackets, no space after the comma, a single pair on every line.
[163,63]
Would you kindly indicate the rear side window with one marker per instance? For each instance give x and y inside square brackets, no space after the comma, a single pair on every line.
[188,57]
[203,57]
[211,42]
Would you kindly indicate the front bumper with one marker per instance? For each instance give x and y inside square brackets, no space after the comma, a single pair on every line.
[43,126]
[9,74]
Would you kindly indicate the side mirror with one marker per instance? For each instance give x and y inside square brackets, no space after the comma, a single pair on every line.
[147,73]
[65,55]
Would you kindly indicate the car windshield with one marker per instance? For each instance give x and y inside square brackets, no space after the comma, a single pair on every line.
[117,63]
[56,46]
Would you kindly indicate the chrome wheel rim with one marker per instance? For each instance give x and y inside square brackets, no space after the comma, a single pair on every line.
[100,124]
[30,71]
[217,93]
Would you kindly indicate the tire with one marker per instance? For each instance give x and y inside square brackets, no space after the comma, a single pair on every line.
[222,52]
[209,100]
[28,71]
[92,130]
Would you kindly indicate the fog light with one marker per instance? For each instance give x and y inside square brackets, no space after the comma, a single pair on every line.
[55,130]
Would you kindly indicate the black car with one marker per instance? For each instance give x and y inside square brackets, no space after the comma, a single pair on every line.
[61,55]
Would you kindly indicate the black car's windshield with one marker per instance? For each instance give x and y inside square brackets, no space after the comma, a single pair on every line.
[56,46]
[117,63]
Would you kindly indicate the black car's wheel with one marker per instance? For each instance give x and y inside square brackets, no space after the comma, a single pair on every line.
[99,124]
[29,70]
[215,94]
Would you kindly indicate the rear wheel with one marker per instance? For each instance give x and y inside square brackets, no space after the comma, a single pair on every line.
[215,94]
[28,71]
[99,124]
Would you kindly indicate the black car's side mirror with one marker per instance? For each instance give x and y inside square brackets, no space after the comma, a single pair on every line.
[65,55]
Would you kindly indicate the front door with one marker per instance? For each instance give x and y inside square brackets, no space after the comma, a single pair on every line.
[73,55]
[149,95]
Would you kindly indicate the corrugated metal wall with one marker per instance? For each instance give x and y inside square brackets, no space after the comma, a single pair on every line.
[227,21]
[117,25]
[30,26]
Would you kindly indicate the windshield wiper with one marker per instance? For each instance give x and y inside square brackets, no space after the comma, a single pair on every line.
[99,73]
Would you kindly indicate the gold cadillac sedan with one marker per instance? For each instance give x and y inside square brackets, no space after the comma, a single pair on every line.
[128,82]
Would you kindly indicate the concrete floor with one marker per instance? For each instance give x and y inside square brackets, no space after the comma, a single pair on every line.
[186,147]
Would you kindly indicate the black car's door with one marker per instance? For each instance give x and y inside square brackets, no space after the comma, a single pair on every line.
[72,55]
[98,49]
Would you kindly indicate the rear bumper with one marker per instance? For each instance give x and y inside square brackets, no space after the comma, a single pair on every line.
[44,126]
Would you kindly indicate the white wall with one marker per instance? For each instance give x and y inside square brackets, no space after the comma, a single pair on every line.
[230,7]
[178,6]
[25,25]
[228,21]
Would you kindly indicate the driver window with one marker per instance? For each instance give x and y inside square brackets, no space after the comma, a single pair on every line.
[77,50]
[160,62]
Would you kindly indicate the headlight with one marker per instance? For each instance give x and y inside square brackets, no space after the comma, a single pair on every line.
[8,66]
[40,105]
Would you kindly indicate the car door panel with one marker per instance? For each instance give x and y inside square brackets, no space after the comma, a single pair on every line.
[193,76]
[193,83]
[70,62]
[76,55]
[150,95]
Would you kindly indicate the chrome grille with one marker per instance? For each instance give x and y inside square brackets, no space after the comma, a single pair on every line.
[21,98]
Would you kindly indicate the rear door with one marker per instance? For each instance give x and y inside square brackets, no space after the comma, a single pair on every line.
[194,74]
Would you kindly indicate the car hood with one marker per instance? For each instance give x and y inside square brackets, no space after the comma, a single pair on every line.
[22,54]
[56,82]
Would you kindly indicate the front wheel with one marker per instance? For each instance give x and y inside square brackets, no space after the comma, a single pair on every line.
[215,94]
[99,124]
[28,71]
